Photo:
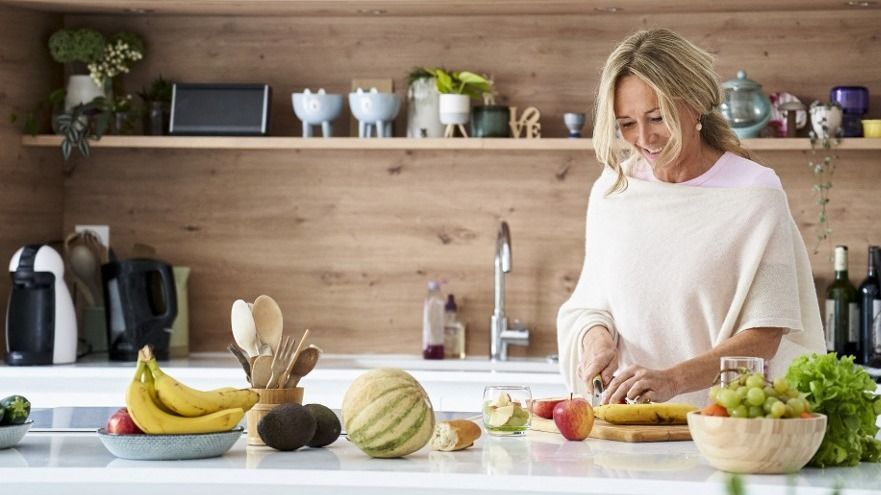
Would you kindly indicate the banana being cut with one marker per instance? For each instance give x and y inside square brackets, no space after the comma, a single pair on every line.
[155,416]
[653,413]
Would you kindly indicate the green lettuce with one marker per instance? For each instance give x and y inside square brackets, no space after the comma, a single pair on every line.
[845,393]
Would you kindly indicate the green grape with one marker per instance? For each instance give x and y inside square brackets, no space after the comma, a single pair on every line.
[756,412]
[793,393]
[769,391]
[797,406]
[739,412]
[741,392]
[755,396]
[728,399]
[714,393]
[781,385]
[769,401]
[756,381]
[778,409]
[806,404]
[788,413]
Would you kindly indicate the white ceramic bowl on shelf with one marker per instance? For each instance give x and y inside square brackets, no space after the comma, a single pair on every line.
[757,445]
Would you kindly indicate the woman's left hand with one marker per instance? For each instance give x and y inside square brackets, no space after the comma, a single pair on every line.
[642,385]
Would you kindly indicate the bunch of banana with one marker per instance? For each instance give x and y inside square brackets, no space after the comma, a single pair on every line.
[159,404]
[654,413]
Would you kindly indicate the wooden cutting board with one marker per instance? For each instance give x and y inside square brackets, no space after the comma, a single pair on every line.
[622,433]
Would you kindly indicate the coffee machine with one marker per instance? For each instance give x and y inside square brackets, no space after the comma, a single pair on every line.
[141,305]
[40,318]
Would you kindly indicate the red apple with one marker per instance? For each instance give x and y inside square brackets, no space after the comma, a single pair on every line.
[122,423]
[574,418]
[544,408]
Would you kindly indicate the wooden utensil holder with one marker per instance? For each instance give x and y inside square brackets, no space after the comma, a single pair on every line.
[269,398]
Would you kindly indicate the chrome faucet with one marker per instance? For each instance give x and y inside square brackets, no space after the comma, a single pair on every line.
[499,334]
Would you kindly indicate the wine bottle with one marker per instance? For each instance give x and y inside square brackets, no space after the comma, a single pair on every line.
[842,314]
[870,312]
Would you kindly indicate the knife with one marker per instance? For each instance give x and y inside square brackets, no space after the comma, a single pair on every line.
[597,391]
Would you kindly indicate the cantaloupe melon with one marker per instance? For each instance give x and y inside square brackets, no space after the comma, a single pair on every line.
[387,413]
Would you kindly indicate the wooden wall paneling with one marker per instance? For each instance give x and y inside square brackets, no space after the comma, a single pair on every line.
[31,182]
[346,239]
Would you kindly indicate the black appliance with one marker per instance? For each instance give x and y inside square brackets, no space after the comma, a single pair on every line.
[220,109]
[141,307]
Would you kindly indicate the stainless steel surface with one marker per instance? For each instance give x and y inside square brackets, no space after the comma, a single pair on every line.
[500,335]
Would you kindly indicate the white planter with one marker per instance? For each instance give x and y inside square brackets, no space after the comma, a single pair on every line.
[455,109]
[81,89]
[825,120]
[423,109]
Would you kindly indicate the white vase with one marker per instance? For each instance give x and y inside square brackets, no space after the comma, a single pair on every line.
[455,109]
[825,120]
[423,109]
[81,89]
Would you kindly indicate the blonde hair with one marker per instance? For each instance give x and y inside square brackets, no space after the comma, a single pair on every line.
[678,71]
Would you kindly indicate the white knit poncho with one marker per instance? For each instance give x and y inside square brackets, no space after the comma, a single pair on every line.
[673,271]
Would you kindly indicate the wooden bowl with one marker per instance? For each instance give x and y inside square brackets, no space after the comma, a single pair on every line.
[757,445]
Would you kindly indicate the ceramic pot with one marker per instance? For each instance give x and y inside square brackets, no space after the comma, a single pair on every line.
[825,119]
[574,121]
[423,109]
[156,117]
[81,89]
[317,109]
[374,110]
[454,109]
[491,121]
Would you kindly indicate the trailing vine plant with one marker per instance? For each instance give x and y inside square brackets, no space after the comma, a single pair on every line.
[823,168]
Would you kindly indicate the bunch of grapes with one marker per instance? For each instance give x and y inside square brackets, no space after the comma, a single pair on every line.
[750,396]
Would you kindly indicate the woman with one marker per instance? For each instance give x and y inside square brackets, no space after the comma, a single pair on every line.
[691,252]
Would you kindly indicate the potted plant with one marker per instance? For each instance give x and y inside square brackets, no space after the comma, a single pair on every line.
[76,48]
[77,125]
[423,100]
[456,90]
[157,106]
[826,123]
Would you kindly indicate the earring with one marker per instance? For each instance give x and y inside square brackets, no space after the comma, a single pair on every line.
[699,126]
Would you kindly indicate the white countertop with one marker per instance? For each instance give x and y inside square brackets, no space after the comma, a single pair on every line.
[56,463]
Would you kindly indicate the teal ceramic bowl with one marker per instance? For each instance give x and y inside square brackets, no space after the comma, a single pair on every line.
[12,434]
[169,447]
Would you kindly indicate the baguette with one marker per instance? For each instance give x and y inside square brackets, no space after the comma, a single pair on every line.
[456,434]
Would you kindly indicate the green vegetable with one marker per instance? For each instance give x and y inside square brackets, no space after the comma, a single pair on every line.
[17,410]
[845,393]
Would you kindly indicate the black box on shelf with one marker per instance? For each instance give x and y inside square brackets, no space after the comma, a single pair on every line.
[220,109]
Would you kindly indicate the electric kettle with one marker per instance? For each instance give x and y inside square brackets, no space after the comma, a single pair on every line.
[40,319]
[141,305]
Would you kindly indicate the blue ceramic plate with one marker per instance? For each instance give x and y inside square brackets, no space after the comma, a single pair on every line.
[12,434]
[169,447]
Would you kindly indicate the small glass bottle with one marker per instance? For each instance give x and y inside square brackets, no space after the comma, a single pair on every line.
[454,331]
[433,323]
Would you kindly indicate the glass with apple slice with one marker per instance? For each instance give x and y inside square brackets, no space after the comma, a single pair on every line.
[506,409]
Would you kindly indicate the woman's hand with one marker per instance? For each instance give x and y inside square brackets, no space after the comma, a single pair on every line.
[642,385]
[599,357]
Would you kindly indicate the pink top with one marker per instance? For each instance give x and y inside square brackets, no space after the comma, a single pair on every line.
[730,170]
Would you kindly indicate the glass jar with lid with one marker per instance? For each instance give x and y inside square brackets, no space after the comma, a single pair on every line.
[745,106]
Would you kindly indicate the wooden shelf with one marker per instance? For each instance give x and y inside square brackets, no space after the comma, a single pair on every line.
[454,144]
[393,8]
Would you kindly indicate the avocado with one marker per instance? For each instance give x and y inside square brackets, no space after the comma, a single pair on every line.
[17,409]
[329,427]
[287,427]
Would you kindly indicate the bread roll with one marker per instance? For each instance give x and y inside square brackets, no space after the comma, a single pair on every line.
[456,434]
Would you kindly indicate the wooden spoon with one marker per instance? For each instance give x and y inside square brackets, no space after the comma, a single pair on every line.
[270,323]
[306,361]
[261,371]
[243,328]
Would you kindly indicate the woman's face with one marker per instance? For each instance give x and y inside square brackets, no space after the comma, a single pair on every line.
[640,121]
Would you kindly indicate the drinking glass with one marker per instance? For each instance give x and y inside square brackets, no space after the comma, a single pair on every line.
[732,366]
[505,409]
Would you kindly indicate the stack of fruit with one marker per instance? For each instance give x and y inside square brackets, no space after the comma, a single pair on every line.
[159,404]
[751,396]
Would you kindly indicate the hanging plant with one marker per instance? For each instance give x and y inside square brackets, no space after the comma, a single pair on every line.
[826,131]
